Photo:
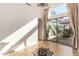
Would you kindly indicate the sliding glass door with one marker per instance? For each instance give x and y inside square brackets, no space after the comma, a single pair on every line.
[58,27]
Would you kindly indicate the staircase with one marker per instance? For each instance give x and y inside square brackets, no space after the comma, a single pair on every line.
[14,40]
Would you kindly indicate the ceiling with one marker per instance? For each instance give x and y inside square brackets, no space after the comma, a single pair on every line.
[49,5]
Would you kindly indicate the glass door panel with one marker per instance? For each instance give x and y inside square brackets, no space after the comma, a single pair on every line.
[58,28]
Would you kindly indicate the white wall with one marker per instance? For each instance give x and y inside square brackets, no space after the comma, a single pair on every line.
[14,16]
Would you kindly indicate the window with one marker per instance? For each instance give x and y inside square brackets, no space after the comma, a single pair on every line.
[57,10]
